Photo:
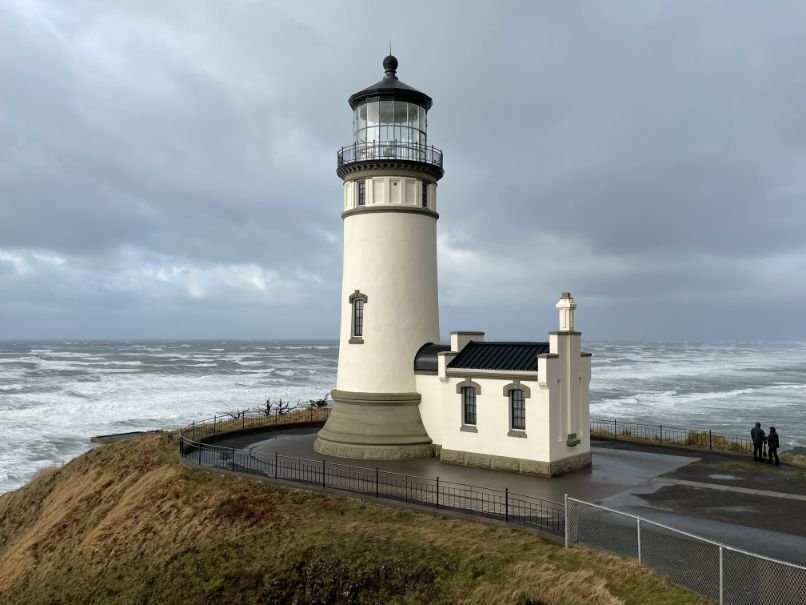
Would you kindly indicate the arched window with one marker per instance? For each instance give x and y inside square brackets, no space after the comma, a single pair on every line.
[357,300]
[517,410]
[469,406]
[517,393]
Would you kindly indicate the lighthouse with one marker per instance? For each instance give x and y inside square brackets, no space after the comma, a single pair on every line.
[389,305]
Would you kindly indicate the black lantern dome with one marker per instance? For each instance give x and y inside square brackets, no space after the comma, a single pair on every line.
[391,88]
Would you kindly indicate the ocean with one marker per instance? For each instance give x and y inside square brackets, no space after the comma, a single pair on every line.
[55,395]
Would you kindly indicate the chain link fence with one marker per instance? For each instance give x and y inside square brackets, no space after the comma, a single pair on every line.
[721,573]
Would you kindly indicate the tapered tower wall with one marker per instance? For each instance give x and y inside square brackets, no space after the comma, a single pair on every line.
[390,256]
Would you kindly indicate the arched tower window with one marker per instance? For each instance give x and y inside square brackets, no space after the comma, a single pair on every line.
[357,300]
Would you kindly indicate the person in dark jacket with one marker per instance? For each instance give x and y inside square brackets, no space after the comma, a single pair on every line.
[758,437]
[772,445]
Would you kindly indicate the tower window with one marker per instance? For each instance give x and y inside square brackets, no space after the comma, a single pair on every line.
[469,406]
[358,318]
[517,410]
[357,300]
[425,194]
[362,193]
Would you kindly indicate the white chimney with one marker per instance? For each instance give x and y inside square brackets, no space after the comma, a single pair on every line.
[566,306]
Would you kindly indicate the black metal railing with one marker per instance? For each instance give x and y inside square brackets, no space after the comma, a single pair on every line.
[392,150]
[502,505]
[703,439]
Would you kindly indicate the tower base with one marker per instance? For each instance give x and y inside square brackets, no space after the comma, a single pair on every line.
[379,426]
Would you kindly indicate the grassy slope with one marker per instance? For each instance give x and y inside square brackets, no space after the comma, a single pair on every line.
[126,523]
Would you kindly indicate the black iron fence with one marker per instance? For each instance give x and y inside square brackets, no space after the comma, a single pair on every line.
[391,150]
[703,439]
[504,505]
[245,419]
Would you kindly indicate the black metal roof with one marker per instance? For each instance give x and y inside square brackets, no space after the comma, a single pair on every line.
[391,88]
[514,356]
[425,360]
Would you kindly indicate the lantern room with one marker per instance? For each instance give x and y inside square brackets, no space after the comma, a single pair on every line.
[390,120]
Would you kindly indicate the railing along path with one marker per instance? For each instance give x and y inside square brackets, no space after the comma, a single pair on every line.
[504,505]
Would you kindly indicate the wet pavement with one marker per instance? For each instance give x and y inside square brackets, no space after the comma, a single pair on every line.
[612,472]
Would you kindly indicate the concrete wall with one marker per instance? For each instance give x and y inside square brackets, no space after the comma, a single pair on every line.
[567,377]
[391,257]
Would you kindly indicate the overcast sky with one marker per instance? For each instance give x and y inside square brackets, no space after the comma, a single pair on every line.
[167,168]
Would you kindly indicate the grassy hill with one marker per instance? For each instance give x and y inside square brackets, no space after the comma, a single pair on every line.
[127,523]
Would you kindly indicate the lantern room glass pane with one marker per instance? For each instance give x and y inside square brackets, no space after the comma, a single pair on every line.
[413,117]
[401,113]
[361,121]
[387,112]
[373,113]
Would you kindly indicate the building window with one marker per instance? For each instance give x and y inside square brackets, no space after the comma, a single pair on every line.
[469,406]
[517,409]
[425,194]
[358,318]
[362,193]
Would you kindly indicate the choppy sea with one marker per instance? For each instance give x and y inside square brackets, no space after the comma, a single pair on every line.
[55,395]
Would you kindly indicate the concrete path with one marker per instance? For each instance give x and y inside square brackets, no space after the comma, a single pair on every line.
[736,489]
[720,515]
[613,471]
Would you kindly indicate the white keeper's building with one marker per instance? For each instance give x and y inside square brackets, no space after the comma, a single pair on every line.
[516,406]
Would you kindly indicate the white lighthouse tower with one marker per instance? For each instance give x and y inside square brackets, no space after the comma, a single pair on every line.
[389,306]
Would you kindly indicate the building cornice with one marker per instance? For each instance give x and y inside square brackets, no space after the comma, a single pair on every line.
[389,208]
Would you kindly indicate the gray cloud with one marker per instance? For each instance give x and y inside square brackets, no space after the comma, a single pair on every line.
[167,169]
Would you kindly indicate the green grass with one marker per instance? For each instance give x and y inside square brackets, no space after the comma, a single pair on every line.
[126,523]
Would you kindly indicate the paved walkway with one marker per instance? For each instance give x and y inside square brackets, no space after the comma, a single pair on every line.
[736,489]
[612,472]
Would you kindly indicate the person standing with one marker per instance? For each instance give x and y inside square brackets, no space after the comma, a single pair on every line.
[772,445]
[758,436]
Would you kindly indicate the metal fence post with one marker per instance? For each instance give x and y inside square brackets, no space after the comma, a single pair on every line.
[506,504]
[276,460]
[243,419]
[615,429]
[709,440]
[638,523]
[233,458]
[377,493]
[323,474]
[437,492]
[181,446]
[661,434]
[721,577]
[565,504]
[406,489]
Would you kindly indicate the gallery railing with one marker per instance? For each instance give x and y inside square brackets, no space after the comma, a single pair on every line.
[503,505]
[703,439]
[392,150]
